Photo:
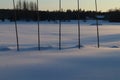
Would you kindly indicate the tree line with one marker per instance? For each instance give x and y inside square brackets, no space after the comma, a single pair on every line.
[28,15]
[27,11]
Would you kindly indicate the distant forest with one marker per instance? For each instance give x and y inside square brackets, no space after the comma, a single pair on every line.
[27,11]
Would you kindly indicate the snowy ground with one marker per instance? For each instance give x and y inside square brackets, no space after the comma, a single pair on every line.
[88,63]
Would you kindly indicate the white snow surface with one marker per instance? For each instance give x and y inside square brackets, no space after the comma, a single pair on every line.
[50,63]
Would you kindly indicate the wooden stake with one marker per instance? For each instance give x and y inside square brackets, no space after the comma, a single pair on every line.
[98,43]
[38,25]
[60,26]
[79,44]
[16,30]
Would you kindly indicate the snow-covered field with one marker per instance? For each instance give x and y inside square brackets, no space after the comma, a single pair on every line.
[70,63]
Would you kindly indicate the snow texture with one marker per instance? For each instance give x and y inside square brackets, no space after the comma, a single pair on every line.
[50,63]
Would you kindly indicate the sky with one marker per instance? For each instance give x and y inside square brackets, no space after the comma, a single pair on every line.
[103,5]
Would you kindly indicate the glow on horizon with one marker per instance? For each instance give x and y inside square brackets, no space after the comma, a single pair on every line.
[103,5]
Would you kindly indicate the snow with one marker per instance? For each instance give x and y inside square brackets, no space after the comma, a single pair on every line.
[70,63]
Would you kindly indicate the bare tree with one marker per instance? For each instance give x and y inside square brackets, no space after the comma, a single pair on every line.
[25,5]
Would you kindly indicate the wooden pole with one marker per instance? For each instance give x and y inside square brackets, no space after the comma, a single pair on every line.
[16,30]
[38,25]
[79,44]
[98,43]
[60,25]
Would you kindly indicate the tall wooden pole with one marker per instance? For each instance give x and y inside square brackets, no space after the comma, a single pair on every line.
[16,30]
[60,25]
[98,43]
[79,44]
[38,25]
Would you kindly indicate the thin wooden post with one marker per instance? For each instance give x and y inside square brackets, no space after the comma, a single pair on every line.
[79,42]
[38,25]
[16,30]
[59,25]
[98,43]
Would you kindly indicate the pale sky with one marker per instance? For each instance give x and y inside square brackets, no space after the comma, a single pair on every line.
[103,5]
